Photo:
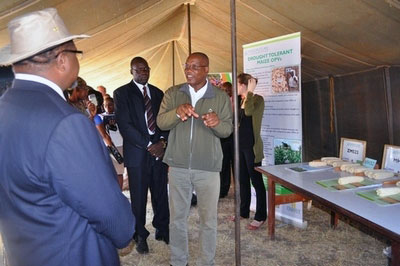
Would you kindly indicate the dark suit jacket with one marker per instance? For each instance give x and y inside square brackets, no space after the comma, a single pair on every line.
[129,112]
[60,203]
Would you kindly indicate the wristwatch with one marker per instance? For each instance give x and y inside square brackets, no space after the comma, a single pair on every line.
[164,141]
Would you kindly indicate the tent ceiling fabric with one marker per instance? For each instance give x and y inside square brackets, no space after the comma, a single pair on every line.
[338,36]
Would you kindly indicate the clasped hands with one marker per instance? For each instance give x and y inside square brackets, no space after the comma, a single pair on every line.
[156,149]
[184,111]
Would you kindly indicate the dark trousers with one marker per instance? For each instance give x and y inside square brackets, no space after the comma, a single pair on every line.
[152,174]
[227,165]
[247,173]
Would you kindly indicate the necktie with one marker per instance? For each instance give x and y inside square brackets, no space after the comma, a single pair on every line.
[151,123]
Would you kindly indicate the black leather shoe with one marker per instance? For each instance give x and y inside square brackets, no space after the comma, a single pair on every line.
[162,238]
[141,245]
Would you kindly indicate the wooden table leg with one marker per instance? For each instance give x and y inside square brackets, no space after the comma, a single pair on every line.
[334,219]
[395,254]
[271,208]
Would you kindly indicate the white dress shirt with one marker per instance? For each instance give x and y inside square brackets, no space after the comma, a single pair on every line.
[42,80]
[195,96]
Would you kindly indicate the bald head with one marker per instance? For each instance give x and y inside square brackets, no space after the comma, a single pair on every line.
[137,60]
[202,57]
[140,70]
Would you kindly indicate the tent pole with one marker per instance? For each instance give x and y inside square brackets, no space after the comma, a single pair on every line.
[189,30]
[389,105]
[235,133]
[173,63]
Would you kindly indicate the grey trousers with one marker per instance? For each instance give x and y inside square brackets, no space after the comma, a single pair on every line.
[182,182]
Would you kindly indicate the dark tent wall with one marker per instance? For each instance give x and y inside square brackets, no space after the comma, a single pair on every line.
[361,110]
[319,138]
[395,86]
[362,106]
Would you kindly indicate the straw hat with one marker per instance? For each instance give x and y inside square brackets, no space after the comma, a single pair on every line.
[33,33]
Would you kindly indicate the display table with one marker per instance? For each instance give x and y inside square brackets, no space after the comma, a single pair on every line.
[383,219]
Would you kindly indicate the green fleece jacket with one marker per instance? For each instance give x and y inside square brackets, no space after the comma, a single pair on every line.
[254,107]
[192,145]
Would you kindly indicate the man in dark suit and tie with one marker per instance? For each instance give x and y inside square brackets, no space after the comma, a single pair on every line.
[60,203]
[136,108]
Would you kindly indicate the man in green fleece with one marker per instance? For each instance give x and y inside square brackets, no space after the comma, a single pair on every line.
[197,115]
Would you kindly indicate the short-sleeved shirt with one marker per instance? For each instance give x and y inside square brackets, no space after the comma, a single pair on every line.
[97,120]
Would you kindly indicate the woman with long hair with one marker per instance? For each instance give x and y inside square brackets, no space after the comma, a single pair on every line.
[251,150]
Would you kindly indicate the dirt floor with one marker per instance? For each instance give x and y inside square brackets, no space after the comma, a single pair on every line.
[318,244]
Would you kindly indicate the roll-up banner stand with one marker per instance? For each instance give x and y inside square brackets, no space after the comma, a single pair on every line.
[276,63]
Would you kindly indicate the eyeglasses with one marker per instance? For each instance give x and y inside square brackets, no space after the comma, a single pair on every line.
[141,70]
[192,67]
[79,54]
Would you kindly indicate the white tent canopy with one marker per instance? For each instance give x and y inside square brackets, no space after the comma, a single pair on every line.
[338,36]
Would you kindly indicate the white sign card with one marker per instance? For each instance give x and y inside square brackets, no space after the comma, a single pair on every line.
[352,150]
[391,158]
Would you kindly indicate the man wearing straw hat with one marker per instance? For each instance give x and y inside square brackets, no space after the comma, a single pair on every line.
[60,203]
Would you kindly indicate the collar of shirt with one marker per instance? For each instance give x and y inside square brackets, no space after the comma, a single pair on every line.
[41,80]
[140,86]
[197,95]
